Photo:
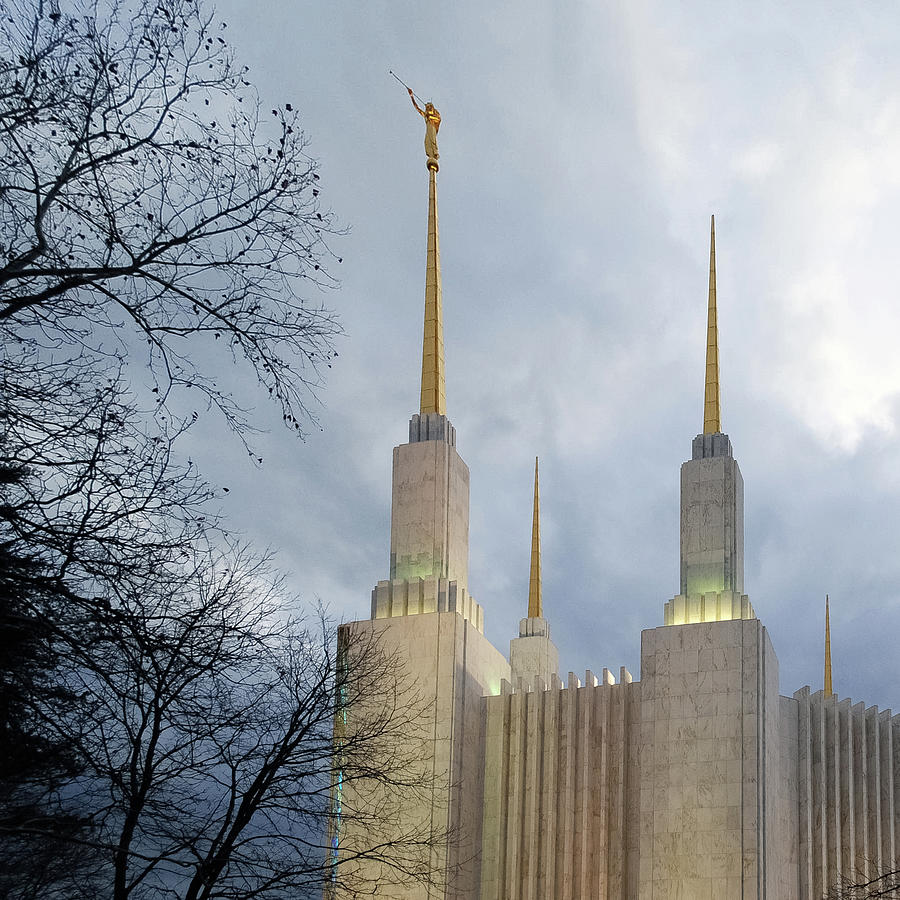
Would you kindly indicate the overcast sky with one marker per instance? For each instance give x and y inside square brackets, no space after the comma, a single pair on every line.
[583,147]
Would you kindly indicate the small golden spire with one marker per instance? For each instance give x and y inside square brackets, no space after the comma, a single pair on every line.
[433,399]
[712,422]
[828,691]
[535,606]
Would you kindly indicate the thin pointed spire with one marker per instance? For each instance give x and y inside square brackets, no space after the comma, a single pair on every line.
[535,604]
[712,419]
[433,397]
[828,688]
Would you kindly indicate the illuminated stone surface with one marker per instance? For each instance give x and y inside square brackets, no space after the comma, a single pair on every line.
[712,519]
[697,782]
[532,654]
[430,506]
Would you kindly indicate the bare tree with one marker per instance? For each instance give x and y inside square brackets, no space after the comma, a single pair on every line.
[143,199]
[89,505]
[33,761]
[207,737]
[199,713]
[860,886]
[148,205]
[105,493]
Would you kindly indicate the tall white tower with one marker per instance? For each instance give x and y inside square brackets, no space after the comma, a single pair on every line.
[532,655]
[429,566]
[712,504]
[430,630]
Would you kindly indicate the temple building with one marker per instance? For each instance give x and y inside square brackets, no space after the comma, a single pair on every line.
[693,779]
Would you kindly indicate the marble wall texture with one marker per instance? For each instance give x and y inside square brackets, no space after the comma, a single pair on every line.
[429,559]
[560,790]
[712,519]
[699,782]
[715,606]
[430,504]
[709,702]
[444,667]
[413,596]
[848,785]
[533,654]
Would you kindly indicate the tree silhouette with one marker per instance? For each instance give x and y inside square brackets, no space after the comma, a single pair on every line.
[174,711]
[146,199]
[860,886]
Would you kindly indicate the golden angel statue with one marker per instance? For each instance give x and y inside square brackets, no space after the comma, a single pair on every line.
[432,124]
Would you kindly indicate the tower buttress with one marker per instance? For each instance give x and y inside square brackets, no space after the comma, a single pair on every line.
[712,503]
[429,556]
[532,654]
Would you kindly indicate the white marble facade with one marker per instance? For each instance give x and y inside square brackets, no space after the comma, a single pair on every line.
[698,781]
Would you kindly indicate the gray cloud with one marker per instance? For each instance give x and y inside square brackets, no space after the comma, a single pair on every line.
[583,147]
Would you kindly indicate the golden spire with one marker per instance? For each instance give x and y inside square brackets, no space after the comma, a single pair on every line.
[828,691]
[535,606]
[433,399]
[712,422]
